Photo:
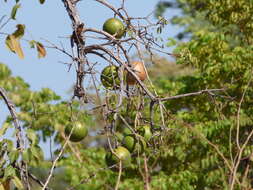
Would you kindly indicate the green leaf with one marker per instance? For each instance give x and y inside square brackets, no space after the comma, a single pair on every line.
[19,33]
[27,155]
[171,42]
[37,152]
[5,126]
[42,1]
[9,171]
[14,11]
[9,144]
[17,182]
[13,156]
[31,135]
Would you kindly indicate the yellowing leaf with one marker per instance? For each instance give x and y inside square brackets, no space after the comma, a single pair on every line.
[14,11]
[13,44]
[17,183]
[5,185]
[19,33]
[5,126]
[41,50]
[8,43]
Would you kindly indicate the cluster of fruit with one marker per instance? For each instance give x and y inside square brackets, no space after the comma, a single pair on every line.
[131,144]
[110,76]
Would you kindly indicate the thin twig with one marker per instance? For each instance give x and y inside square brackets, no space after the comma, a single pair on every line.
[19,138]
[55,161]
[238,115]
[241,149]
[192,94]
[147,177]
[11,107]
[119,176]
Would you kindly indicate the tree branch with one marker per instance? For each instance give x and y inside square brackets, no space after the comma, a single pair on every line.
[208,91]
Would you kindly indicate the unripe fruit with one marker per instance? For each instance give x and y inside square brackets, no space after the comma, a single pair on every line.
[133,144]
[110,77]
[78,133]
[123,155]
[145,131]
[114,27]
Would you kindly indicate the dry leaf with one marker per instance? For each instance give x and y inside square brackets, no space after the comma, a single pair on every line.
[41,50]
[13,44]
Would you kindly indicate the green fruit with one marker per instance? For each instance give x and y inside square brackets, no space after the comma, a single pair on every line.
[79,131]
[119,136]
[114,27]
[133,144]
[110,77]
[122,127]
[126,131]
[145,131]
[122,154]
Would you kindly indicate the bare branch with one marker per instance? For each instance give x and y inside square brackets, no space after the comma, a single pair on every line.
[55,162]
[208,91]
[11,107]
[119,176]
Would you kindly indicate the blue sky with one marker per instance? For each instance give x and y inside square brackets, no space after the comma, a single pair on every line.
[51,22]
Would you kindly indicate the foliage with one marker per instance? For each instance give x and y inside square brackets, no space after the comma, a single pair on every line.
[219,51]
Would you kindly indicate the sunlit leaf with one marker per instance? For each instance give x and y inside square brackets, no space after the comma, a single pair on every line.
[27,155]
[41,50]
[8,43]
[37,152]
[14,11]
[9,172]
[13,44]
[5,185]
[31,135]
[17,182]
[3,129]
[18,49]
[13,155]
[2,187]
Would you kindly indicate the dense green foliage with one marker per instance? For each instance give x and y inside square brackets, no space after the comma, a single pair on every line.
[220,51]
